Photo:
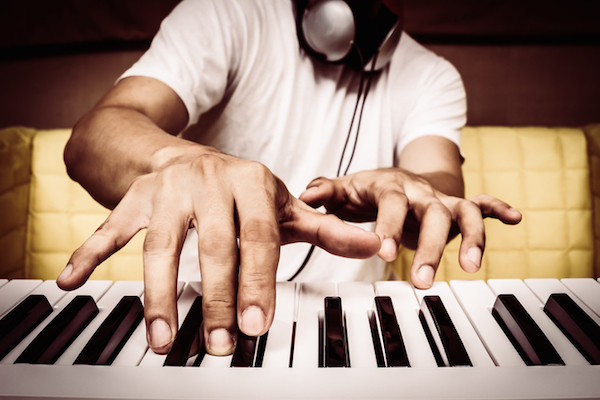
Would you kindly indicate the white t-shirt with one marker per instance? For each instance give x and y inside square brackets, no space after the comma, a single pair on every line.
[254,93]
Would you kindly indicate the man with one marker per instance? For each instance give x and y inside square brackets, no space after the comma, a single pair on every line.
[271,121]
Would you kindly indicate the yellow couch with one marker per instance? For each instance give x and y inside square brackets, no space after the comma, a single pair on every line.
[551,174]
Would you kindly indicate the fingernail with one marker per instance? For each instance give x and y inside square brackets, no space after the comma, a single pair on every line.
[220,342]
[426,274]
[474,255]
[253,321]
[160,333]
[65,273]
[389,248]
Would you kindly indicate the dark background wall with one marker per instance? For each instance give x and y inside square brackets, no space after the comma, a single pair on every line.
[523,62]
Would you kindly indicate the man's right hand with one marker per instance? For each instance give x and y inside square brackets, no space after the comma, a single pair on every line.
[224,198]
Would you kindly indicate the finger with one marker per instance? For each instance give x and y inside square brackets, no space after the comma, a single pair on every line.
[328,232]
[218,256]
[259,255]
[470,222]
[435,221]
[323,191]
[392,208]
[115,232]
[162,247]
[495,208]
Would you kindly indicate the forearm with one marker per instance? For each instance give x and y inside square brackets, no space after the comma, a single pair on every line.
[111,146]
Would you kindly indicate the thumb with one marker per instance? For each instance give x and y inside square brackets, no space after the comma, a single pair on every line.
[329,233]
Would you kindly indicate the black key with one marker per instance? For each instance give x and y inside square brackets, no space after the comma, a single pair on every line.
[434,348]
[445,332]
[260,350]
[245,348]
[576,324]
[392,337]
[58,335]
[526,336]
[187,342]
[106,343]
[376,339]
[336,354]
[21,320]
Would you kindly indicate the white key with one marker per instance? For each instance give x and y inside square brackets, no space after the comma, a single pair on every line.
[534,307]
[357,299]
[216,361]
[3,282]
[475,348]
[407,309]
[137,346]
[477,300]
[587,289]
[184,303]
[91,288]
[279,340]
[105,305]
[543,288]
[14,291]
[310,303]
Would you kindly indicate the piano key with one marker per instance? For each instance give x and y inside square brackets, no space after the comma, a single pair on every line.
[445,334]
[521,329]
[407,309]
[106,303]
[477,300]
[544,288]
[137,345]
[576,324]
[568,353]
[586,289]
[3,282]
[113,333]
[15,291]
[279,342]
[390,331]
[216,361]
[59,299]
[336,354]
[357,298]
[260,350]
[21,320]
[187,340]
[310,303]
[184,303]
[245,350]
[60,332]
[475,349]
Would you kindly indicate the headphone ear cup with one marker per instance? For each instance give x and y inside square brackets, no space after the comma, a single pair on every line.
[329,29]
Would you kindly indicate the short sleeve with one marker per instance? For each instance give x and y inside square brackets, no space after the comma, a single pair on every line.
[191,54]
[439,107]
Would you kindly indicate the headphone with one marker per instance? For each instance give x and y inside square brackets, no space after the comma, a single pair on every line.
[360,33]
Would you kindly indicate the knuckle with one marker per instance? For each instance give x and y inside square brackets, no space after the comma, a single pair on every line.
[437,207]
[258,230]
[160,242]
[217,243]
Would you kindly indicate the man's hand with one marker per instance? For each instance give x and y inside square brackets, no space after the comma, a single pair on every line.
[409,210]
[224,198]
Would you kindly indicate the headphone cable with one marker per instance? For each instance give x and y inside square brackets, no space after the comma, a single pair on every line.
[362,106]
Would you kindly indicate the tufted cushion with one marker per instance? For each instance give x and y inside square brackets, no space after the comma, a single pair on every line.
[44,216]
[62,216]
[15,161]
[543,173]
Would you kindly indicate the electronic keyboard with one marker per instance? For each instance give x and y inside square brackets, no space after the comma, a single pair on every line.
[500,339]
